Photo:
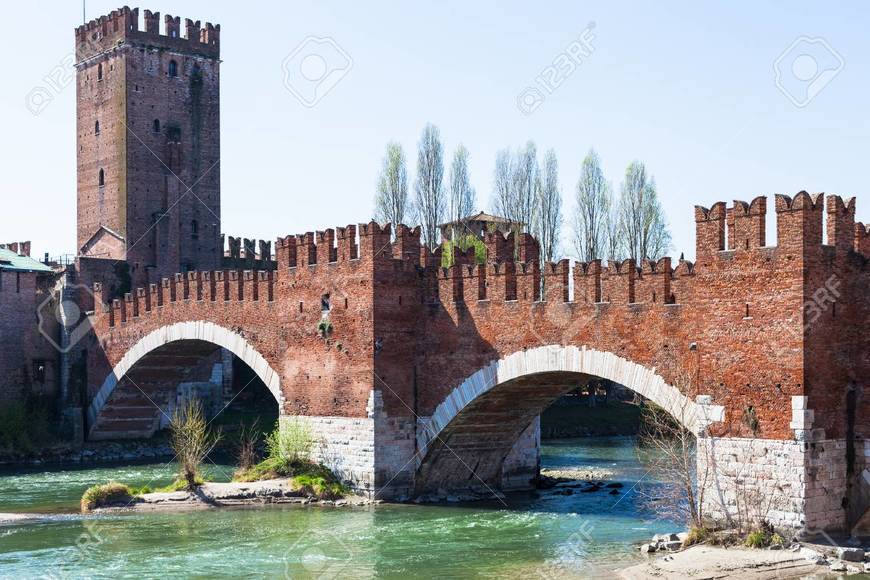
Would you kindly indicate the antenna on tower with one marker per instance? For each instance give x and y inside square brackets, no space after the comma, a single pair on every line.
[84,12]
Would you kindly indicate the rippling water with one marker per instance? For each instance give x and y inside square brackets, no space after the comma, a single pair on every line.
[538,535]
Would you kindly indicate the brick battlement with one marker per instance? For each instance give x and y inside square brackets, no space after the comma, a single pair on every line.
[205,287]
[121,25]
[799,224]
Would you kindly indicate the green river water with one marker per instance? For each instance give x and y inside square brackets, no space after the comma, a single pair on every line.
[540,535]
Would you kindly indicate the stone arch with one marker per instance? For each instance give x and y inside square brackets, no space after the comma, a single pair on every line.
[199,330]
[562,361]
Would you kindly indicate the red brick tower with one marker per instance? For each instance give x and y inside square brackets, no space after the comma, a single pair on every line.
[148,136]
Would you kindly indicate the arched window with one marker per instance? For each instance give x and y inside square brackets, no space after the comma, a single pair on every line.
[173,68]
[96,128]
[156,125]
[100,72]
[102,178]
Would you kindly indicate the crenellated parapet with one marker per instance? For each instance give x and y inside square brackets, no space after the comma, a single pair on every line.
[862,239]
[219,286]
[746,224]
[122,25]
[799,224]
[246,254]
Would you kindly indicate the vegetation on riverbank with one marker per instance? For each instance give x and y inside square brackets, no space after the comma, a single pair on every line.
[288,455]
[107,494]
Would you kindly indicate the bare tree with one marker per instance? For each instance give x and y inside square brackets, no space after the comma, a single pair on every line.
[669,449]
[391,200]
[503,184]
[462,194]
[430,204]
[592,238]
[525,176]
[642,222]
[548,217]
[517,177]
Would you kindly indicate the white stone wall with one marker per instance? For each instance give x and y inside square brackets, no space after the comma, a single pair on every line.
[523,464]
[792,484]
[346,446]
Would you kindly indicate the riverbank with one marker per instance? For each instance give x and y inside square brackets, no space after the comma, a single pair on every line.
[229,494]
[709,562]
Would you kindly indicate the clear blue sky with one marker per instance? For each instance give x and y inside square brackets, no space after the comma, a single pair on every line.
[686,87]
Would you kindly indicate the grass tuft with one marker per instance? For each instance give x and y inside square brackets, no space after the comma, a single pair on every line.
[106,494]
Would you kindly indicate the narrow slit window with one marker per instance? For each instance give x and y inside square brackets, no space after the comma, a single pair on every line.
[101,180]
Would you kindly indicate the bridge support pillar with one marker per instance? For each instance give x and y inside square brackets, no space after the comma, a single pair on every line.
[796,484]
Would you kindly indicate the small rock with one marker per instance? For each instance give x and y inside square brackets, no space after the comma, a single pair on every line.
[614,492]
[813,556]
[665,538]
[867,566]
[853,570]
[648,548]
[673,546]
[838,566]
[850,554]
[615,485]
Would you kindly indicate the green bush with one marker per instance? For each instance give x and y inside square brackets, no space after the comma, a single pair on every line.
[192,441]
[106,494]
[289,455]
[697,535]
[290,443]
[463,242]
[756,539]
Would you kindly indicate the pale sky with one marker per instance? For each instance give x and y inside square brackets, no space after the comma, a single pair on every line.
[689,88]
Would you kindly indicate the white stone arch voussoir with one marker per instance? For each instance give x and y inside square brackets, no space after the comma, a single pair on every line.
[695,416]
[196,330]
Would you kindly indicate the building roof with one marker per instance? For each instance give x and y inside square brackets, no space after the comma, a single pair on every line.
[10,261]
[481,217]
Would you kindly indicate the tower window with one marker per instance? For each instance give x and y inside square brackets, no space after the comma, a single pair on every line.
[194,229]
[173,69]
[156,125]
[102,178]
[96,128]
[100,72]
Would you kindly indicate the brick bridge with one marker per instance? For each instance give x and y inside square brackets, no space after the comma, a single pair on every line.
[425,380]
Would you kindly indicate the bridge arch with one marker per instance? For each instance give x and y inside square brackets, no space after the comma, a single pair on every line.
[537,376]
[201,331]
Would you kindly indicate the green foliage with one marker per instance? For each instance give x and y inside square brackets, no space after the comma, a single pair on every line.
[192,441]
[763,537]
[324,328]
[697,535]
[178,485]
[755,539]
[289,455]
[26,426]
[290,443]
[106,494]
[463,242]
[323,487]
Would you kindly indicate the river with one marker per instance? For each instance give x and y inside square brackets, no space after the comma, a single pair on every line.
[540,535]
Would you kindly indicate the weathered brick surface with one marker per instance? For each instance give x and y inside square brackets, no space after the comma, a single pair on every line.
[157,101]
[746,327]
[23,349]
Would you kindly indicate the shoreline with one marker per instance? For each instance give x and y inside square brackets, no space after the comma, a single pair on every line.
[713,562]
[231,494]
